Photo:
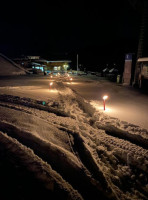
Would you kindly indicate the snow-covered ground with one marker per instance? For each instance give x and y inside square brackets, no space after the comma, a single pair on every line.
[124,103]
[56,143]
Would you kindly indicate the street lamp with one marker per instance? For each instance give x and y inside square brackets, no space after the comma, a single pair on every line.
[104,98]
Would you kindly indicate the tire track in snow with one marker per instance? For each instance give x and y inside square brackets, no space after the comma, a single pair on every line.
[128,152]
[31,103]
[66,165]
[116,132]
[47,183]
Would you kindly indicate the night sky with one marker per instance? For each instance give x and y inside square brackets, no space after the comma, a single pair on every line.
[99,31]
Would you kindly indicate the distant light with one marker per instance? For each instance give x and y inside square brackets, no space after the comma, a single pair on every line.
[50,84]
[70,79]
[43,103]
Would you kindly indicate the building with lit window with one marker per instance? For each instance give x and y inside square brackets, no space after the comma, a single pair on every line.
[39,65]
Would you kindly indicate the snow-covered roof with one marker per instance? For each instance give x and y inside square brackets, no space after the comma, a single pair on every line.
[145,59]
[113,70]
[106,69]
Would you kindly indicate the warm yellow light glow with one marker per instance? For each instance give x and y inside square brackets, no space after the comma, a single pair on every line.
[53,91]
[70,79]
[97,105]
[105,97]
[101,108]
[51,83]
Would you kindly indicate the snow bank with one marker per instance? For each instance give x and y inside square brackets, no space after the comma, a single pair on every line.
[8,67]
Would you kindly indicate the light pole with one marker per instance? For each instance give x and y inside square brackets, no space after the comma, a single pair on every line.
[77,63]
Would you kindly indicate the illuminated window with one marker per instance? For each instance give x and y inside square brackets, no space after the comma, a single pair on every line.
[65,67]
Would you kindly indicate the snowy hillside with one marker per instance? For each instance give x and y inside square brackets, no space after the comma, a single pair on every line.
[8,67]
[55,145]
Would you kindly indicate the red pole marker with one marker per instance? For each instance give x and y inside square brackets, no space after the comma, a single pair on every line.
[104,104]
[50,84]
[104,98]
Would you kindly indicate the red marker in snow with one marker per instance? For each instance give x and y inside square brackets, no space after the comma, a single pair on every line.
[50,84]
[104,98]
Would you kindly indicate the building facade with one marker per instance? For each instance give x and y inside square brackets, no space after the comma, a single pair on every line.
[39,65]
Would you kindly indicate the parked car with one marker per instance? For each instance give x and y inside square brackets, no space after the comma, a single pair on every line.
[112,75]
[105,72]
[81,73]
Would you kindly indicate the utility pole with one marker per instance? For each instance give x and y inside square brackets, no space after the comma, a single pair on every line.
[77,63]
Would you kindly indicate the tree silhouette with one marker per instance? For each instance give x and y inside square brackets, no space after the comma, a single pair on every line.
[141,6]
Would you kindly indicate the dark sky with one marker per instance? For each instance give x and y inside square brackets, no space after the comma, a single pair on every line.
[94,29]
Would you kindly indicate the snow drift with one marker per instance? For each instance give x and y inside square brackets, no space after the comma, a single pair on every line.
[69,150]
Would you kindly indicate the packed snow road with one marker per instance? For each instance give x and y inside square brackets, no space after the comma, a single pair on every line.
[55,144]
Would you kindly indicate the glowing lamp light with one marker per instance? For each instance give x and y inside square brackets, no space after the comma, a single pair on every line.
[104,98]
[70,79]
[50,84]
